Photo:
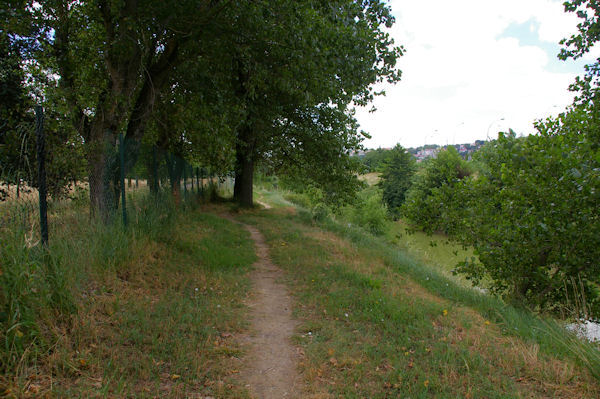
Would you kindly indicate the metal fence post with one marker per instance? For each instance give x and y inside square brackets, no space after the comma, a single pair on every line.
[42,188]
[122,168]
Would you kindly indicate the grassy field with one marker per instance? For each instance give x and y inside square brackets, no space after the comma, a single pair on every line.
[377,325]
[434,250]
[154,311]
[371,178]
[149,312]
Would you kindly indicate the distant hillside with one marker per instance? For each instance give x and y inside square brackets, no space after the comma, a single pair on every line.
[374,158]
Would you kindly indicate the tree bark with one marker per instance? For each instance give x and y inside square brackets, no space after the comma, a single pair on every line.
[101,164]
[152,166]
[174,168]
[244,168]
[243,190]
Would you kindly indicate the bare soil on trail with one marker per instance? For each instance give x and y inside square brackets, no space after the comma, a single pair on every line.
[264,204]
[269,369]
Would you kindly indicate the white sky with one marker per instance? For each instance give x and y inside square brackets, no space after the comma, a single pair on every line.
[468,65]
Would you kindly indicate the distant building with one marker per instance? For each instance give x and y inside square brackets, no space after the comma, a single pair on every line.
[431,150]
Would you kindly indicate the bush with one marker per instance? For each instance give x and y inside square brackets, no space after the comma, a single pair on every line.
[299,199]
[532,215]
[432,193]
[320,212]
[396,178]
[370,213]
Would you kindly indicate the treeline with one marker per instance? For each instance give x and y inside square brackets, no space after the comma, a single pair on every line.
[528,206]
[374,160]
[226,85]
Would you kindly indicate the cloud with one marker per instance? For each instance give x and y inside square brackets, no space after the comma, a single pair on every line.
[462,74]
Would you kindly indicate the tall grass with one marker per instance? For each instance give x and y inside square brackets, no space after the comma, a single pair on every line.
[37,283]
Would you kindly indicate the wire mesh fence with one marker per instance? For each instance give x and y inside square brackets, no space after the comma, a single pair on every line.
[38,190]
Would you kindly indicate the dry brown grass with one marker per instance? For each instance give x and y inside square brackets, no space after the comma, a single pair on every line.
[30,194]
[371,178]
[159,323]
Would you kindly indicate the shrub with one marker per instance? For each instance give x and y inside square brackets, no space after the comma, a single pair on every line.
[370,213]
[320,212]
[299,199]
[532,214]
[432,192]
[396,178]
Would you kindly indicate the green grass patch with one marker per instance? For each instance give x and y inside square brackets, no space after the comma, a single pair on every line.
[433,250]
[147,311]
[376,323]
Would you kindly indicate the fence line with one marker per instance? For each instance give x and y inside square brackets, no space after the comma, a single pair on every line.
[150,169]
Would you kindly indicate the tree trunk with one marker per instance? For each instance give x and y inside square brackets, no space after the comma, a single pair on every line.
[176,191]
[152,179]
[244,168]
[173,166]
[244,175]
[101,165]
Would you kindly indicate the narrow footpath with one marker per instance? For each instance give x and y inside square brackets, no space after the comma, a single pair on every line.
[269,369]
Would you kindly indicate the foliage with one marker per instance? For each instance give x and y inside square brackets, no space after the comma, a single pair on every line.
[396,178]
[223,84]
[374,160]
[18,156]
[15,121]
[579,44]
[369,211]
[531,210]
[298,104]
[299,199]
[323,161]
[366,209]
[432,192]
[532,213]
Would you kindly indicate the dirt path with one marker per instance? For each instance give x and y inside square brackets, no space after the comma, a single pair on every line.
[264,204]
[269,369]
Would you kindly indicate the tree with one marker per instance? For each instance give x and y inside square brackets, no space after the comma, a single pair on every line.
[396,178]
[113,60]
[15,121]
[432,193]
[306,64]
[374,160]
[18,157]
[531,213]
[285,73]
[581,43]
[313,150]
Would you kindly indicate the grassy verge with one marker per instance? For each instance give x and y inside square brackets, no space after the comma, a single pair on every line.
[376,323]
[434,250]
[148,311]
